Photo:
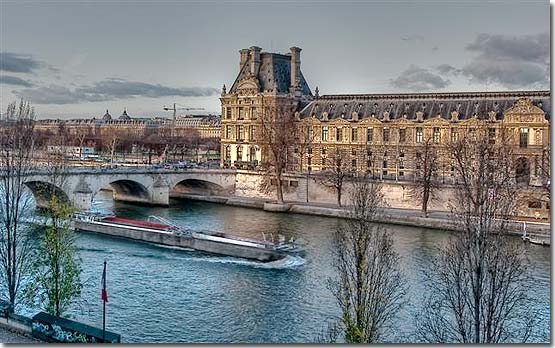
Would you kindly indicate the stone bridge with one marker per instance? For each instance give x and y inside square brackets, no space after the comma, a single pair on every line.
[146,186]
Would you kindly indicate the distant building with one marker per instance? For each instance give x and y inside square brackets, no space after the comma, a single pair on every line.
[127,127]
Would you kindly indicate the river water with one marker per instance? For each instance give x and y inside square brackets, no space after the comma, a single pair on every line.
[159,294]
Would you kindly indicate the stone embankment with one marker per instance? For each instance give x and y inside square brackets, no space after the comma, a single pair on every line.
[407,217]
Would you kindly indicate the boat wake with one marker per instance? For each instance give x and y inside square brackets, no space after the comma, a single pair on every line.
[288,262]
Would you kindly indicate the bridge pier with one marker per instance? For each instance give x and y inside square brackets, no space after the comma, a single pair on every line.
[160,195]
[82,200]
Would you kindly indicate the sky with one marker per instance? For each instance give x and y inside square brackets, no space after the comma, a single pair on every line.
[74,59]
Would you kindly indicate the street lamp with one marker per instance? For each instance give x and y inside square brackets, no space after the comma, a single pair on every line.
[307,180]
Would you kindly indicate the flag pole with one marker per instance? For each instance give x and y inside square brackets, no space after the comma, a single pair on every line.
[104,307]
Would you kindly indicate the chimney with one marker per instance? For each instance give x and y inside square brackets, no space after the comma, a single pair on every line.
[295,66]
[244,56]
[255,60]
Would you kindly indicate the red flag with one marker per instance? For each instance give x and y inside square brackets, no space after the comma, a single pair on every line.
[104,293]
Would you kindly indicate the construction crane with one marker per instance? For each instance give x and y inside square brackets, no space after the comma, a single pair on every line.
[174,109]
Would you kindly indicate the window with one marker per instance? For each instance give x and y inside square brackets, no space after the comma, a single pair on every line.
[293,183]
[253,114]
[384,164]
[228,132]
[241,114]
[253,153]
[309,151]
[523,137]
[436,135]
[418,134]
[354,152]
[228,153]
[240,134]
[354,164]
[369,134]
[228,113]
[325,133]
[386,135]
[239,153]
[252,133]
[535,204]
[323,151]
[454,135]
[402,135]
[354,135]
[491,135]
[418,160]
[339,134]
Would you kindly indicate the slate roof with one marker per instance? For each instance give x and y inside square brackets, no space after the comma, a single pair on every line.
[274,74]
[431,104]
[124,115]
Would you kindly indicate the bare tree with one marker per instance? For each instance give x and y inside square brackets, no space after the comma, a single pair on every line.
[305,139]
[425,187]
[477,283]
[16,162]
[337,171]
[545,171]
[277,134]
[112,142]
[369,287]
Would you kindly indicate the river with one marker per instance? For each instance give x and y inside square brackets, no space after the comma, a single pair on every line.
[158,294]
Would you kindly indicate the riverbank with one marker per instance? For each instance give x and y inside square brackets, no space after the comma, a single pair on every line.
[407,217]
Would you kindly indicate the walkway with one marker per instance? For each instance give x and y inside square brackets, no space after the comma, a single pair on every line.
[411,217]
[7,336]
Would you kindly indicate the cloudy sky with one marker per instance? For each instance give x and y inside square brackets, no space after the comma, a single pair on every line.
[77,59]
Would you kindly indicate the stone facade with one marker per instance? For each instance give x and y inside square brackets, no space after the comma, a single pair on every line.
[381,134]
[206,126]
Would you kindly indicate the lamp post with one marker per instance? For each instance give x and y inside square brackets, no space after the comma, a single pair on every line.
[307,180]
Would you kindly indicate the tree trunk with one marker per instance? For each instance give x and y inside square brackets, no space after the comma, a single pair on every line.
[339,189]
[279,189]
[425,199]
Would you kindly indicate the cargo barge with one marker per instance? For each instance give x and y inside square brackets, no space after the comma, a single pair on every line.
[160,231]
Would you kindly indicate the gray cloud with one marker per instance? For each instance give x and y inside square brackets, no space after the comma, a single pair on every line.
[513,62]
[18,63]
[108,89]
[55,94]
[413,37]
[447,69]
[415,78]
[119,89]
[16,81]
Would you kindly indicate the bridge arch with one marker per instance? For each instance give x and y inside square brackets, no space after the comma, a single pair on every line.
[43,191]
[130,191]
[197,186]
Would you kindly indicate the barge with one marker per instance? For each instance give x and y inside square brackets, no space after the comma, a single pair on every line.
[160,231]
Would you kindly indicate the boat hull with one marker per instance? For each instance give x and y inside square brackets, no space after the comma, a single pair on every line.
[182,241]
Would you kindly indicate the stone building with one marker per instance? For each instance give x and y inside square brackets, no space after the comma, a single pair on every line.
[380,134]
[127,127]
[265,80]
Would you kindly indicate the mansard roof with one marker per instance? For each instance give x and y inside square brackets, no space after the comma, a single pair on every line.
[274,74]
[430,104]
